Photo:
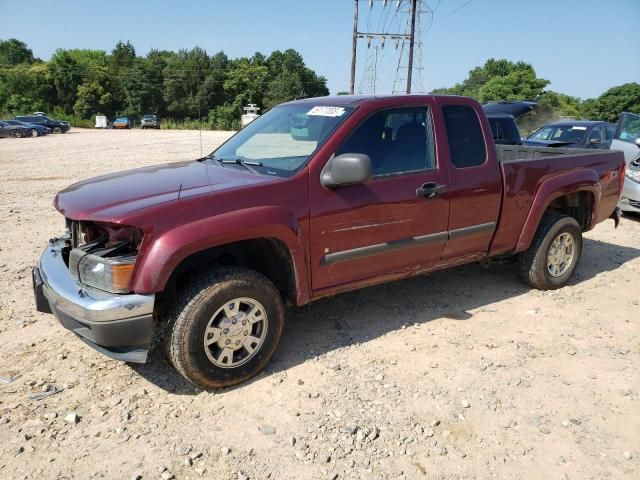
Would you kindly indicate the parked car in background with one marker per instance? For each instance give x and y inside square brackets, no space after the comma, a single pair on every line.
[36,130]
[627,140]
[502,118]
[150,121]
[571,134]
[122,122]
[14,131]
[56,126]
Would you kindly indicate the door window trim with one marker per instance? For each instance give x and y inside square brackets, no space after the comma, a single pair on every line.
[386,176]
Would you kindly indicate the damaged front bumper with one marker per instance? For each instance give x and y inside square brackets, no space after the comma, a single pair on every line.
[119,326]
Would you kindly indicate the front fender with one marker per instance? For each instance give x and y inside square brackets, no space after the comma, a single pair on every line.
[164,252]
[586,180]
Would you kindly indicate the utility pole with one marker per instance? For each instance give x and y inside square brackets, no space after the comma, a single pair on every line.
[397,37]
[353,49]
[414,8]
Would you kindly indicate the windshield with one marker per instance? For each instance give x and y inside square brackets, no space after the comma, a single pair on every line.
[564,133]
[283,139]
[628,129]
[121,119]
[149,117]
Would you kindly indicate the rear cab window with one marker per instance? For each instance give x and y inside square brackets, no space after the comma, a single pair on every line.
[464,133]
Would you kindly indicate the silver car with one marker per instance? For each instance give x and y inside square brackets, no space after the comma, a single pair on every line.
[150,121]
[627,139]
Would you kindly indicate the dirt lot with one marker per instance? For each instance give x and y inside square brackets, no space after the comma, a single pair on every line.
[464,374]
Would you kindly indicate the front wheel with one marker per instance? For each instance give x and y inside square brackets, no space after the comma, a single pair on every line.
[34,132]
[57,130]
[16,133]
[225,327]
[554,253]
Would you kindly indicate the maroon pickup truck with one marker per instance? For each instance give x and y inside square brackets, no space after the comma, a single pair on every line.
[316,197]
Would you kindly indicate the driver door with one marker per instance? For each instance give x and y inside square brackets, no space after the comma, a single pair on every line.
[387,226]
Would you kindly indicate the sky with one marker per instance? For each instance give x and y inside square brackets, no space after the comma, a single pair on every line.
[583,47]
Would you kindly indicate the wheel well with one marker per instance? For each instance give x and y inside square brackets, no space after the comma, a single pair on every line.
[267,256]
[578,205]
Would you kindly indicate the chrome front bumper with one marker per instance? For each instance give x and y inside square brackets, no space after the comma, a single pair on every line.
[117,325]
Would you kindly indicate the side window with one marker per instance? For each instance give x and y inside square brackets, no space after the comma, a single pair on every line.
[610,128]
[398,140]
[596,133]
[496,129]
[466,142]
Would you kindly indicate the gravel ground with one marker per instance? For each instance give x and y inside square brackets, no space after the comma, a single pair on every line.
[463,374]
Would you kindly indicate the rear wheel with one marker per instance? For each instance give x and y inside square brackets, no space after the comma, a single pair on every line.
[34,132]
[16,133]
[554,253]
[225,327]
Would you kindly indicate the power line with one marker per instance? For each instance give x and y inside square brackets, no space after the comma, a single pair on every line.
[388,30]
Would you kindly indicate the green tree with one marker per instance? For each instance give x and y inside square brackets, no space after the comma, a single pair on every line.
[67,75]
[180,85]
[499,80]
[93,98]
[14,52]
[609,105]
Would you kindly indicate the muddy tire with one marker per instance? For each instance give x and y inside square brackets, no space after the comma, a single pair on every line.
[224,327]
[554,253]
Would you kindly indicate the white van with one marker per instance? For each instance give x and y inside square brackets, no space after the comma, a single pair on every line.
[101,121]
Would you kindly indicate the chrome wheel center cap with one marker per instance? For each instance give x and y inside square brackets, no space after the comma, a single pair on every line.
[235,332]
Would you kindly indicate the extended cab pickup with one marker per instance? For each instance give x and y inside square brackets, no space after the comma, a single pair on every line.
[316,197]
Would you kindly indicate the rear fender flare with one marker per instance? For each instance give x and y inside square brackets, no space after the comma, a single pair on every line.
[586,180]
[166,251]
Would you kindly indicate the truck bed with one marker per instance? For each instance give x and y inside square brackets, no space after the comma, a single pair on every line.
[525,169]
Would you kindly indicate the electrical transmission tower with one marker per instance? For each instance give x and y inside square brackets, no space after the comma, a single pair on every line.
[399,23]
[410,66]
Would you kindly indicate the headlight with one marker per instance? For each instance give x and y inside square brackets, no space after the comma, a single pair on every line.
[633,175]
[105,273]
[102,255]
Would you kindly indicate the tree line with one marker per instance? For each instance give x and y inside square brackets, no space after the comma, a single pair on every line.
[500,79]
[182,86]
[191,85]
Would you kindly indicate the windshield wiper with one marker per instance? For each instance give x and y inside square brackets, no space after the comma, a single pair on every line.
[239,161]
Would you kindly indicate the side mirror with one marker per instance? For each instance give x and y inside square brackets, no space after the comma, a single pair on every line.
[595,141]
[346,169]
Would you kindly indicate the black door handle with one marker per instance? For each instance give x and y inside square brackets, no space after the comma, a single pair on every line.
[430,190]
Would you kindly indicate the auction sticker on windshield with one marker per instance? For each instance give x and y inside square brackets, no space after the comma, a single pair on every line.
[326,111]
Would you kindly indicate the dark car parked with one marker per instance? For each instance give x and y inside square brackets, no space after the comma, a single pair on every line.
[14,131]
[56,126]
[35,129]
[502,118]
[572,134]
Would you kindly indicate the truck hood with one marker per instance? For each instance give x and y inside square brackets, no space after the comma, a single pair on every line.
[110,197]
